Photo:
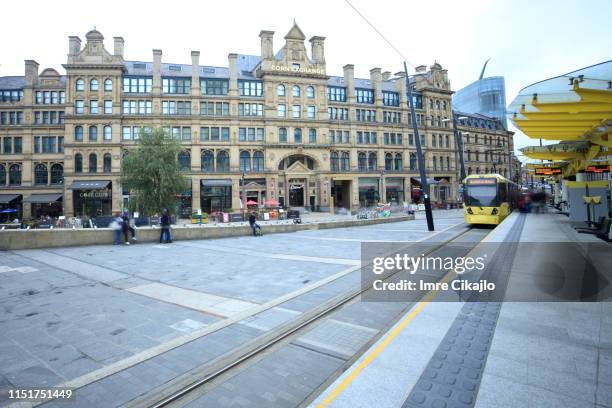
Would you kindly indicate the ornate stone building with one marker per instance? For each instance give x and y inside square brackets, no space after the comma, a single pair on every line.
[275,126]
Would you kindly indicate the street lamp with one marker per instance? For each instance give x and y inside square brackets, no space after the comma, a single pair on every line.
[421,159]
[382,187]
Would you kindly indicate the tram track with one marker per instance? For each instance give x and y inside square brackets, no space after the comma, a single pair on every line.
[184,387]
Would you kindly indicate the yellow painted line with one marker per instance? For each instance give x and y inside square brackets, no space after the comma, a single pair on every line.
[381,346]
[389,338]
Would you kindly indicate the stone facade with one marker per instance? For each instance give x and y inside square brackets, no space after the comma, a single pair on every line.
[274,126]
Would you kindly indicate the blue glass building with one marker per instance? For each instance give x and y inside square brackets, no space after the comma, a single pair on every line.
[486,96]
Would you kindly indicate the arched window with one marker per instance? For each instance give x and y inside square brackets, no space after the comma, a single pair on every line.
[413,161]
[93,133]
[93,85]
[78,133]
[282,135]
[469,155]
[108,84]
[80,84]
[469,171]
[372,162]
[208,161]
[362,162]
[2,175]
[446,141]
[93,163]
[107,163]
[15,175]
[448,163]
[435,163]
[345,161]
[335,166]
[295,91]
[297,135]
[440,141]
[280,90]
[57,174]
[388,161]
[398,161]
[477,153]
[310,93]
[258,161]
[41,175]
[223,161]
[108,133]
[184,161]
[78,163]
[245,161]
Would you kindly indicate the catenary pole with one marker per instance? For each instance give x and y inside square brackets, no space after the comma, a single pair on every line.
[421,159]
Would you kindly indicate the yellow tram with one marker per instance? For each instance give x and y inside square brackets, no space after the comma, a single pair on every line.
[489,198]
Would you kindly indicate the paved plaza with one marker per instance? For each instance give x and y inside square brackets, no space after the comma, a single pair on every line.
[74,315]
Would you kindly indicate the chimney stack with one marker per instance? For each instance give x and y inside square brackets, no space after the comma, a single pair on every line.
[386,75]
[119,43]
[157,57]
[195,72]
[376,80]
[233,74]
[31,72]
[349,82]
[317,49]
[74,45]
[267,44]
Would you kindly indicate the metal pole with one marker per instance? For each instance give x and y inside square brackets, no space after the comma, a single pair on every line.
[421,159]
[459,143]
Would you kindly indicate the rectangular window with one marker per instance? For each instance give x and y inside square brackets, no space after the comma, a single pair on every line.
[53,119]
[126,133]
[93,107]
[145,107]
[62,95]
[47,97]
[137,84]
[79,107]
[260,135]
[214,134]
[39,98]
[204,136]
[364,95]
[242,134]
[225,134]
[336,93]
[61,117]
[54,98]
[281,111]
[60,144]
[36,144]
[168,108]
[176,85]
[250,88]
[17,145]
[176,133]
[184,107]
[311,112]
[214,86]
[390,98]
[250,109]
[46,117]
[297,111]
[186,133]
[37,117]
[108,107]
[345,136]
[251,134]
[48,145]
[20,118]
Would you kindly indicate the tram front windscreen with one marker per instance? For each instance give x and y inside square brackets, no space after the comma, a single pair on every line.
[481,195]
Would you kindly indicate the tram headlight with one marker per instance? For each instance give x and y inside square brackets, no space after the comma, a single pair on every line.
[469,210]
[494,212]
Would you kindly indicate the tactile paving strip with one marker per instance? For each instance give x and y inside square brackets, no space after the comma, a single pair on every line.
[452,376]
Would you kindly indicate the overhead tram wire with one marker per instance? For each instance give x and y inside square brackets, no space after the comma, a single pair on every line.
[420,155]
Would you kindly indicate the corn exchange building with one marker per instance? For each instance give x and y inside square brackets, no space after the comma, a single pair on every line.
[274,126]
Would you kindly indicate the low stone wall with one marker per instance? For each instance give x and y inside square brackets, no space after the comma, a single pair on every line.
[32,239]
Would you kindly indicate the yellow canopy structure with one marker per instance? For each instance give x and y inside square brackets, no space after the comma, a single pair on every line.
[575,108]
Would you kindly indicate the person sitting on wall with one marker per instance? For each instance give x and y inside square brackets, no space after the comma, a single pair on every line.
[164,222]
[253,223]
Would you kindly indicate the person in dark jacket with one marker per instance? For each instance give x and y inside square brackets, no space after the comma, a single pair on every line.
[253,223]
[126,228]
[164,222]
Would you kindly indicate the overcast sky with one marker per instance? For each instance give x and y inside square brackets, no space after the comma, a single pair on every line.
[526,40]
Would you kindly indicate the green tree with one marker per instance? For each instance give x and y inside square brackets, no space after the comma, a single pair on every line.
[151,171]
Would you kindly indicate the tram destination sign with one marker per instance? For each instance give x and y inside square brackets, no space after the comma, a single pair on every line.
[547,171]
[481,181]
[598,168]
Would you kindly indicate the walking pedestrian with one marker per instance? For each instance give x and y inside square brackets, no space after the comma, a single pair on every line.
[164,222]
[116,226]
[127,228]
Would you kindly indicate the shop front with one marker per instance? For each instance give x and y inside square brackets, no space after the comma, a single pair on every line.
[11,207]
[341,192]
[394,188]
[216,195]
[92,198]
[43,205]
[184,204]
[369,191]
[255,190]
